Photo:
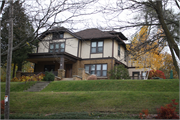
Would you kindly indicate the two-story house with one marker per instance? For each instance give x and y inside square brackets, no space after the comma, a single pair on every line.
[64,52]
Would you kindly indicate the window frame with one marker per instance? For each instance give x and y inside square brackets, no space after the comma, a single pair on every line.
[95,71]
[97,47]
[54,47]
[119,50]
[57,35]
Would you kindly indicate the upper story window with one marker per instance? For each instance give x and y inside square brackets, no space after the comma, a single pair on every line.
[97,47]
[98,69]
[118,50]
[58,36]
[56,47]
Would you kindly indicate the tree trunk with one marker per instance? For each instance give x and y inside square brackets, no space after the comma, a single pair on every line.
[14,69]
[19,66]
[174,61]
[171,43]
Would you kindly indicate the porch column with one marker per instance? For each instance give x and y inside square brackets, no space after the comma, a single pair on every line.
[62,62]
[61,71]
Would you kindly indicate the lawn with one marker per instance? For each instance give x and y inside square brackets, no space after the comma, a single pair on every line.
[121,97]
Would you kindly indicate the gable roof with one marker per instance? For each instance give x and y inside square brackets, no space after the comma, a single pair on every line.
[57,29]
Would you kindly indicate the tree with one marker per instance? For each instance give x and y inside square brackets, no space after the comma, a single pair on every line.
[151,59]
[45,15]
[22,29]
[119,72]
[155,15]
[168,66]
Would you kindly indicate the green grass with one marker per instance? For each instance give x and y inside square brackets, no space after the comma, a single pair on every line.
[17,86]
[115,85]
[74,99]
[72,115]
[96,101]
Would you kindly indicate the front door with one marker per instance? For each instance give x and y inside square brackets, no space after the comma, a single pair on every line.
[68,72]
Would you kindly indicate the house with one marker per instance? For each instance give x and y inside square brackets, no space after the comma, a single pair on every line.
[68,53]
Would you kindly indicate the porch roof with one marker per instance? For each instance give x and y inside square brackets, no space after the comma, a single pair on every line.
[51,56]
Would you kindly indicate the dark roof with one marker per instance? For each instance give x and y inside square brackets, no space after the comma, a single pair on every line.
[93,33]
[117,33]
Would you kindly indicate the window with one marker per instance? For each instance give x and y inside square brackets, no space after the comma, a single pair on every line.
[56,47]
[98,69]
[118,50]
[97,47]
[58,36]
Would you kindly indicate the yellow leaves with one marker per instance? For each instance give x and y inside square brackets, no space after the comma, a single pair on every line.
[141,57]
[28,43]
[28,78]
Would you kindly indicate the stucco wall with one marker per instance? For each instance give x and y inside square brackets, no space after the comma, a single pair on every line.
[43,47]
[72,46]
[85,52]
[107,48]
[98,55]
[121,57]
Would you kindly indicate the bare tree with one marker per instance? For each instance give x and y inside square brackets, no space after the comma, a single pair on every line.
[154,14]
[46,14]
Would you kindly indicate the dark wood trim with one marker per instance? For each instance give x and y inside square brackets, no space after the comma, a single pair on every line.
[97,47]
[78,49]
[131,67]
[98,58]
[55,46]
[113,48]
[81,49]
[52,55]
[59,39]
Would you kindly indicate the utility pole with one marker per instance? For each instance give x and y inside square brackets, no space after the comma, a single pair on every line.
[9,60]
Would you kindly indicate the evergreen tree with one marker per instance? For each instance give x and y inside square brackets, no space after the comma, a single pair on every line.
[22,33]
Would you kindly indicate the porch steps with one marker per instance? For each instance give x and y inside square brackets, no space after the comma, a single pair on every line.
[37,87]
[67,79]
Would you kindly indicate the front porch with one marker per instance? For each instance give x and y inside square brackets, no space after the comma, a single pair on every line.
[62,65]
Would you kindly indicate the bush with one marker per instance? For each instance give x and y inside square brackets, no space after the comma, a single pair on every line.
[156,73]
[49,76]
[30,78]
[2,106]
[119,72]
[168,111]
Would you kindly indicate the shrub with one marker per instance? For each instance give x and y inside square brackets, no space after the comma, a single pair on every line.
[156,73]
[119,72]
[49,76]
[28,78]
[145,115]
[2,106]
[168,111]
[92,77]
